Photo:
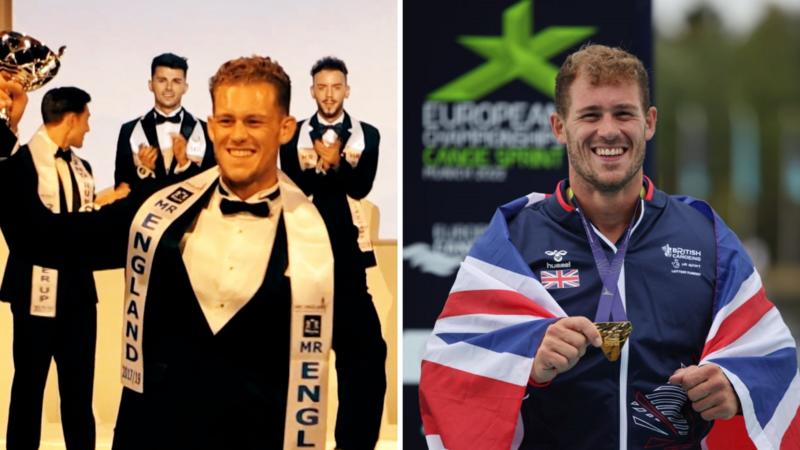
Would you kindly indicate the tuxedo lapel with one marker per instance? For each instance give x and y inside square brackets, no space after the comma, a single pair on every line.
[313,133]
[346,125]
[149,127]
[173,235]
[187,125]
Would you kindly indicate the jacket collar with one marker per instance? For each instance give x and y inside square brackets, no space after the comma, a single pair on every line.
[561,208]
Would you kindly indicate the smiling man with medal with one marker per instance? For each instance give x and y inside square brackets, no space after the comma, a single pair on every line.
[607,315]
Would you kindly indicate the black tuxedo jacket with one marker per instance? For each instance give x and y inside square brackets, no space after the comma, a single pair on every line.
[177,337]
[330,190]
[125,170]
[18,197]
[7,140]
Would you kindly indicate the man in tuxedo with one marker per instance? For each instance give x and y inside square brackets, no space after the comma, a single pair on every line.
[238,338]
[54,310]
[333,157]
[166,140]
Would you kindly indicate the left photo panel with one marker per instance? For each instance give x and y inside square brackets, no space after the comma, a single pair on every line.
[198,236]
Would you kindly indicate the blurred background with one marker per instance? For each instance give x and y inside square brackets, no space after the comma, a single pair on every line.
[726,82]
[728,98]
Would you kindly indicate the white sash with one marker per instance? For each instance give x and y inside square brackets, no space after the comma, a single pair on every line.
[361,222]
[43,291]
[44,280]
[85,183]
[196,144]
[138,139]
[152,219]
[311,278]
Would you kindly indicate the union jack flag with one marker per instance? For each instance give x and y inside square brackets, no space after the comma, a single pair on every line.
[559,279]
[479,356]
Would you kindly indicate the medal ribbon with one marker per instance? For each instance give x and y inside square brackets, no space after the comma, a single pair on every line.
[609,307]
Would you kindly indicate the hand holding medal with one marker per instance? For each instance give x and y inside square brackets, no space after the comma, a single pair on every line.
[563,345]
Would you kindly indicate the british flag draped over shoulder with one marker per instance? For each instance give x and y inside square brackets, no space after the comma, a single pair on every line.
[476,367]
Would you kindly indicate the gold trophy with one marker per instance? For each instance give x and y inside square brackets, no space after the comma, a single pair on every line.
[614,335]
[28,62]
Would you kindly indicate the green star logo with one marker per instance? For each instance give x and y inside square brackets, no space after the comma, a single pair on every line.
[518,53]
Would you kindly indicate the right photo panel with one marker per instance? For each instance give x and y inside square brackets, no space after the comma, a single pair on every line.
[600,225]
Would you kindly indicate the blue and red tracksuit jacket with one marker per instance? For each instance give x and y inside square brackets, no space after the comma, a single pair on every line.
[669,280]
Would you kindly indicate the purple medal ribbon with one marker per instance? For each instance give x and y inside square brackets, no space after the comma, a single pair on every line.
[609,308]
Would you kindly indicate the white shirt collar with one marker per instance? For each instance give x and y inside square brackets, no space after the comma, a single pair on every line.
[255,198]
[43,146]
[173,113]
[325,122]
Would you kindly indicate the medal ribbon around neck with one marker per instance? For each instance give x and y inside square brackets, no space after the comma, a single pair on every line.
[609,307]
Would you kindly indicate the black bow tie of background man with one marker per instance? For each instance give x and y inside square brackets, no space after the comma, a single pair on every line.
[66,155]
[319,129]
[161,118]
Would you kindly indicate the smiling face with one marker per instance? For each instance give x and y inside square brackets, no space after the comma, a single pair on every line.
[605,130]
[168,86]
[248,128]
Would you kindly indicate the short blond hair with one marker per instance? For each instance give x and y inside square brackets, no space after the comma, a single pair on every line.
[254,69]
[603,65]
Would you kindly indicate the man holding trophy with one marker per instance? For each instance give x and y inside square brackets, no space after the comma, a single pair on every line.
[54,310]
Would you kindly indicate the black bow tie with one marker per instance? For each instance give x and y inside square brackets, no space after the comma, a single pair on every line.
[260,209]
[161,118]
[66,155]
[338,128]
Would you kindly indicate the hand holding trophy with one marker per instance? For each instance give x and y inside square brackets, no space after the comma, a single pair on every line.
[26,61]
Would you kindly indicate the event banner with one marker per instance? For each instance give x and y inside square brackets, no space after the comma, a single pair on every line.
[478,88]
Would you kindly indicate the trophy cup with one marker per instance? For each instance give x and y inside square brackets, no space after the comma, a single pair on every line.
[27,61]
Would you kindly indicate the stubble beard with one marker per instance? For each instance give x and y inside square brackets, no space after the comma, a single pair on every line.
[592,177]
[321,109]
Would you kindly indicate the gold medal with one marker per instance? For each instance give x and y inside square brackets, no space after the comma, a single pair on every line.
[614,335]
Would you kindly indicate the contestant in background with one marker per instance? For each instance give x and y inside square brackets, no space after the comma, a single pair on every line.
[54,310]
[166,140]
[333,157]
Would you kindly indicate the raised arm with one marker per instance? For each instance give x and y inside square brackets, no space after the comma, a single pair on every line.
[14,100]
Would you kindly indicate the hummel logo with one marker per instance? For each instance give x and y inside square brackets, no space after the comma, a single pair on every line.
[557,255]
